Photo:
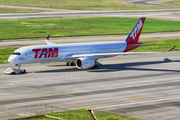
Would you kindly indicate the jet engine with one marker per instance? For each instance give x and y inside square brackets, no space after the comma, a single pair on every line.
[85,63]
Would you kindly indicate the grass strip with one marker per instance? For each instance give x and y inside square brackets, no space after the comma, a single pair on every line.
[38,28]
[165,45]
[5,53]
[172,2]
[9,10]
[85,115]
[80,114]
[81,4]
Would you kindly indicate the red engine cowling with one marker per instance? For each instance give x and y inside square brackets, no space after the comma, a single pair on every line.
[85,63]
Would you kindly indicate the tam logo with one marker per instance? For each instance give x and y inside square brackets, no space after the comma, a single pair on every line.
[136,29]
[47,52]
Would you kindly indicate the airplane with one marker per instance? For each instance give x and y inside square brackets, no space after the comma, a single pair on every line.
[81,55]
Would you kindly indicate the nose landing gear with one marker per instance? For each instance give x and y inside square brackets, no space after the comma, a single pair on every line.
[19,68]
[70,64]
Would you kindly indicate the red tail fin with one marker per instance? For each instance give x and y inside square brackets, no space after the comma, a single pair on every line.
[133,36]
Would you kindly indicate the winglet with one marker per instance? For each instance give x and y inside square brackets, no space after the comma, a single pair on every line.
[47,38]
[48,41]
[171,49]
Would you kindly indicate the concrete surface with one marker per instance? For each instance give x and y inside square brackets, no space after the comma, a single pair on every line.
[173,14]
[142,86]
[14,43]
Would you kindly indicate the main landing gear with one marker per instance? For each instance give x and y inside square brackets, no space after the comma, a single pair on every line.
[70,64]
[95,67]
[73,64]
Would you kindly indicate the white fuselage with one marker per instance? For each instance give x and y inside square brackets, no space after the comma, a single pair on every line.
[83,55]
[59,52]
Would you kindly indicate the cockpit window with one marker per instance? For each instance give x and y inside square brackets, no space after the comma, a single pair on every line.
[16,53]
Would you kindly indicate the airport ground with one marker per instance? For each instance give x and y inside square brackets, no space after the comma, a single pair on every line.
[89,5]
[15,43]
[142,86]
[161,14]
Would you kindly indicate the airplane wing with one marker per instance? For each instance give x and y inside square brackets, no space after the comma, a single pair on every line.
[103,55]
[144,44]
[48,41]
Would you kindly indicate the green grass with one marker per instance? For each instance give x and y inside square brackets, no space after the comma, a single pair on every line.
[86,115]
[5,53]
[38,28]
[165,45]
[9,10]
[79,4]
[77,115]
[173,2]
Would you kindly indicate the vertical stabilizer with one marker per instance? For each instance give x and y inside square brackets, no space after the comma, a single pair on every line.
[133,36]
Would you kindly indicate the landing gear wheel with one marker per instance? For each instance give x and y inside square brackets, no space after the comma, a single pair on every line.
[24,71]
[95,66]
[67,63]
[72,64]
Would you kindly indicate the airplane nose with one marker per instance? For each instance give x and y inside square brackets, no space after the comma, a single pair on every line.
[12,59]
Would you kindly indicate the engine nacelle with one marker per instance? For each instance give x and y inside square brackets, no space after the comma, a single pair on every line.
[85,63]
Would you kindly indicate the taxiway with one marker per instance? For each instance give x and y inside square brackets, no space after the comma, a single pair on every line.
[173,14]
[142,86]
